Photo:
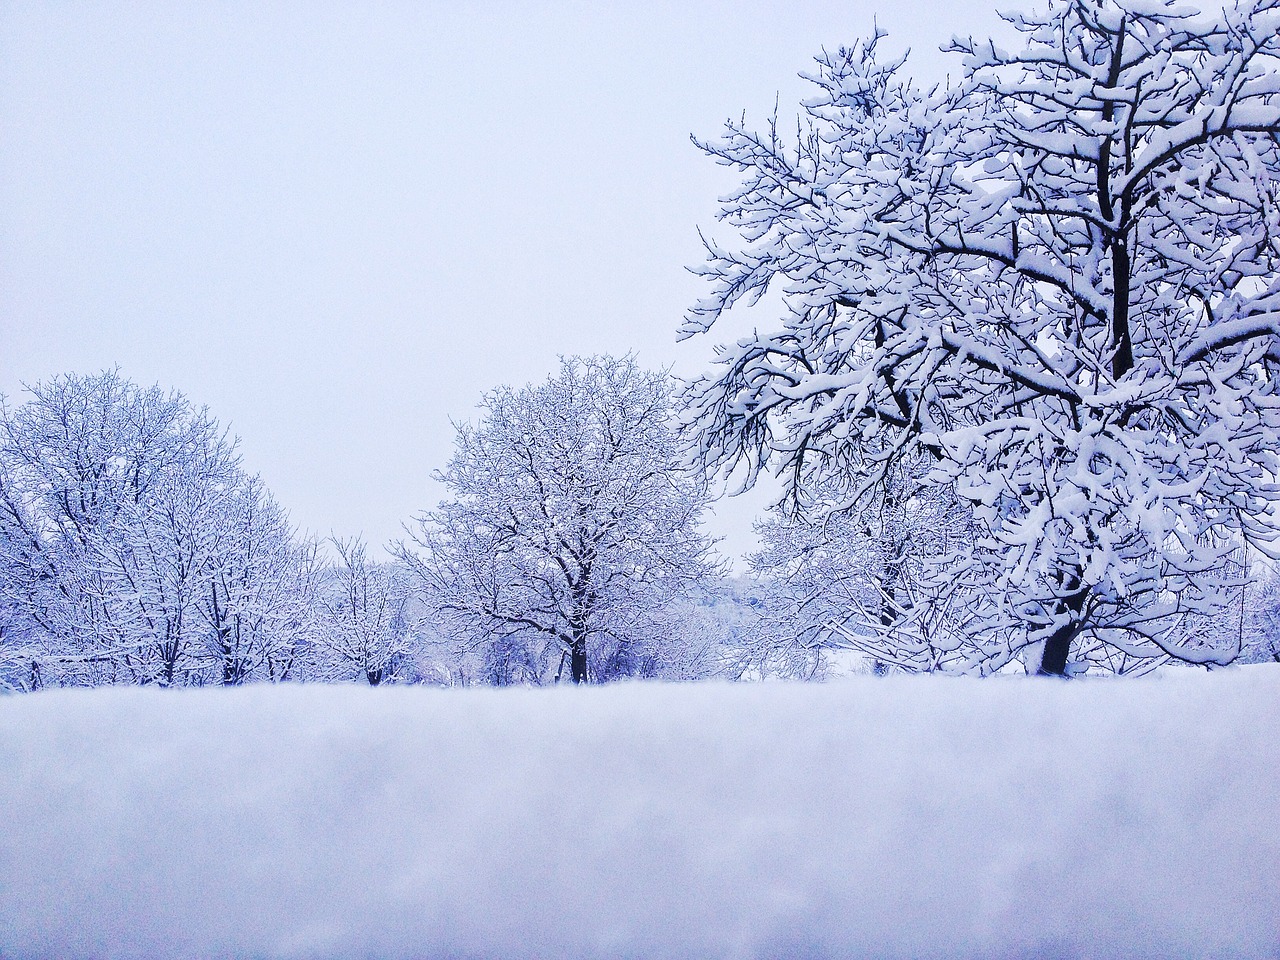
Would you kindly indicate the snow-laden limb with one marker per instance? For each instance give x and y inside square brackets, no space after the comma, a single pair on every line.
[1057,280]
[887,818]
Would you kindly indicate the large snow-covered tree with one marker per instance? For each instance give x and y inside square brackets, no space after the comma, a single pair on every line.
[134,548]
[1057,279]
[570,531]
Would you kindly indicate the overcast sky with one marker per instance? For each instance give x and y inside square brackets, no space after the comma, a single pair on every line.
[337,225]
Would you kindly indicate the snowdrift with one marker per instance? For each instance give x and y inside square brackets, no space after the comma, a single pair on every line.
[912,817]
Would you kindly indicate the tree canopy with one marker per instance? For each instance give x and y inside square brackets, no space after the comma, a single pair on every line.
[1056,281]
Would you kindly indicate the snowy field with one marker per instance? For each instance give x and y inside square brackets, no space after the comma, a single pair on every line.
[912,817]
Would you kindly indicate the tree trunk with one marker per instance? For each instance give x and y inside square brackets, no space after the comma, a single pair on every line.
[578,620]
[578,657]
[888,612]
[1053,663]
[1057,649]
[1121,339]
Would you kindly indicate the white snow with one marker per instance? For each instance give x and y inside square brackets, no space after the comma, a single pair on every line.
[900,817]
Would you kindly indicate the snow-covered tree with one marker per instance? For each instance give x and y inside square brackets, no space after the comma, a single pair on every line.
[133,547]
[261,588]
[571,530]
[361,609]
[1057,279]
[852,579]
[1260,616]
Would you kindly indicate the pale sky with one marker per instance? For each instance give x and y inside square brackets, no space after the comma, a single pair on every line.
[338,224]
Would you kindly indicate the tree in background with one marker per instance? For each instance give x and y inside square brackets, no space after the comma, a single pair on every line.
[134,548]
[1056,281]
[262,589]
[571,532]
[1260,617]
[834,579]
[362,617]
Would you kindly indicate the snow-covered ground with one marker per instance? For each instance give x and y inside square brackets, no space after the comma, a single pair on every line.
[912,817]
